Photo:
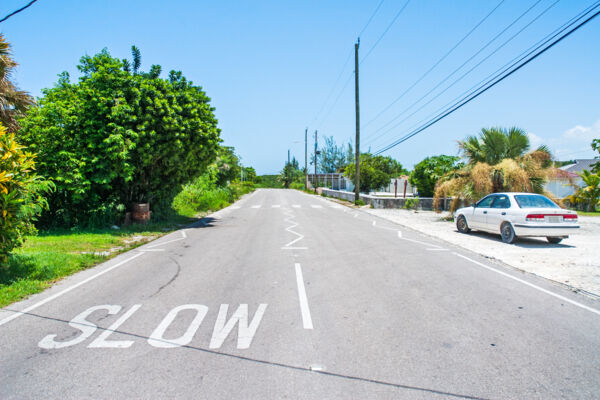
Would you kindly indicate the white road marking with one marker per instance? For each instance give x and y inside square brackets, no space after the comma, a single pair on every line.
[374,223]
[296,205]
[67,290]
[240,316]
[86,327]
[156,339]
[418,241]
[294,248]
[183,236]
[531,285]
[102,342]
[355,215]
[316,206]
[144,250]
[400,234]
[234,207]
[438,249]
[306,319]
[276,206]
[289,218]
[256,206]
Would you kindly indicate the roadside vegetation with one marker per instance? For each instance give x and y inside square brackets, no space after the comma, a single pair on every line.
[73,164]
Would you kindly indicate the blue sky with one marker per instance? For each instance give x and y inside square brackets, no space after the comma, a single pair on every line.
[269,66]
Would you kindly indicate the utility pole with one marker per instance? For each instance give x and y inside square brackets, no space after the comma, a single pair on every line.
[316,153]
[306,158]
[357,168]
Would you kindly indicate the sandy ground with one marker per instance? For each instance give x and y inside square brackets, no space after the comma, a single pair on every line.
[574,262]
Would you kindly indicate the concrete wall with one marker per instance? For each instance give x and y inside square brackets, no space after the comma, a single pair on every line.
[425,203]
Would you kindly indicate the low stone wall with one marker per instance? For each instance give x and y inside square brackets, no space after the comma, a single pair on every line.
[424,203]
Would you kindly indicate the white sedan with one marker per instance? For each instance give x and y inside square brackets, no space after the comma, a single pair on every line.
[515,215]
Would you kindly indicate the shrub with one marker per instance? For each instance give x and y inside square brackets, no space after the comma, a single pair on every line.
[21,194]
[297,185]
[359,202]
[118,137]
[411,203]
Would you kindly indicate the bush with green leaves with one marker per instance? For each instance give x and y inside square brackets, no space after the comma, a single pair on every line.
[375,171]
[427,172]
[119,136]
[21,194]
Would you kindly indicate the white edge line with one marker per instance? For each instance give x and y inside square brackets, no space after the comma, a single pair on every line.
[306,319]
[183,233]
[558,296]
[418,241]
[161,243]
[67,290]
[150,250]
[294,248]
[400,234]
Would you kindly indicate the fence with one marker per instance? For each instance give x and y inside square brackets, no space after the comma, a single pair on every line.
[424,203]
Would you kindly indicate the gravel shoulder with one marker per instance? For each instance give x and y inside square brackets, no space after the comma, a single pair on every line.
[574,262]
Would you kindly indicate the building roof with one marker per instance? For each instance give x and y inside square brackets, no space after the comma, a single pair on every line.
[580,165]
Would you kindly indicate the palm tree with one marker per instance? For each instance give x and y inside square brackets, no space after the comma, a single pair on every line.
[497,161]
[13,101]
[588,195]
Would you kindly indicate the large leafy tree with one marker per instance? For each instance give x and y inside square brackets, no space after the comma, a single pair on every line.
[497,161]
[117,137]
[13,102]
[589,194]
[375,171]
[332,158]
[291,173]
[427,172]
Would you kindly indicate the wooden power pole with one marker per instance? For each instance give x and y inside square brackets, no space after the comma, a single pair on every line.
[357,168]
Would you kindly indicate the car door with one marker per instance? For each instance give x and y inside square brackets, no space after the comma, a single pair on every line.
[497,212]
[478,219]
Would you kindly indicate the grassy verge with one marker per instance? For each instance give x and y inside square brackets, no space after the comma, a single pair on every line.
[54,254]
[589,213]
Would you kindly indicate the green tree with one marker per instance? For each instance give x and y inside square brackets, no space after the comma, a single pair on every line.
[116,137]
[250,175]
[588,195]
[13,102]
[332,158]
[375,171]
[21,193]
[291,173]
[227,165]
[427,172]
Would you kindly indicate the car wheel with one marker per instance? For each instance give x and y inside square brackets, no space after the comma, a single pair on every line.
[508,233]
[461,224]
[554,240]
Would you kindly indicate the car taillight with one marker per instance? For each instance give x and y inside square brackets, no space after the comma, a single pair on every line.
[535,217]
[570,217]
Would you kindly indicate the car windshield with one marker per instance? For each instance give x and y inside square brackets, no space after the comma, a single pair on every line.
[534,201]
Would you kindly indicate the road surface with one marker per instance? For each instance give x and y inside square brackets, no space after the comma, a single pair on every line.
[288,295]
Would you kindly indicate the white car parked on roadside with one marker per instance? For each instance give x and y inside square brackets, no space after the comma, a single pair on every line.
[515,215]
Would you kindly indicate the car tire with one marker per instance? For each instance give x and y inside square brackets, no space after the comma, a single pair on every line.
[461,224]
[554,240]
[508,233]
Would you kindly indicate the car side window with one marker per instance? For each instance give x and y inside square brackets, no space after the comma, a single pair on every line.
[501,201]
[486,202]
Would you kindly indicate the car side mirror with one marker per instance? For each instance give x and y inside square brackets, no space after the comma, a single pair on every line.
[474,205]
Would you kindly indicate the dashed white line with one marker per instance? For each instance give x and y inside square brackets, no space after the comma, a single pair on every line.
[67,290]
[530,285]
[256,206]
[304,309]
[316,206]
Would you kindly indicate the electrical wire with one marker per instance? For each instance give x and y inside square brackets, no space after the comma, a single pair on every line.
[493,83]
[436,63]
[458,69]
[18,11]
[385,32]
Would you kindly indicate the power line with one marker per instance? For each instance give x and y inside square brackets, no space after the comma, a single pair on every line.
[385,31]
[489,86]
[370,18]
[437,63]
[17,11]
[459,68]
[344,66]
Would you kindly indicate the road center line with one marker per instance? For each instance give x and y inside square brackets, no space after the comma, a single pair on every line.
[306,319]
[67,290]
[530,285]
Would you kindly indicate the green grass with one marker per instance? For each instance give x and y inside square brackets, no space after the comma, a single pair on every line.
[55,254]
[589,213]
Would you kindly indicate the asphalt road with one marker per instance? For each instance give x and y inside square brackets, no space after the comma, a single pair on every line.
[287,295]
